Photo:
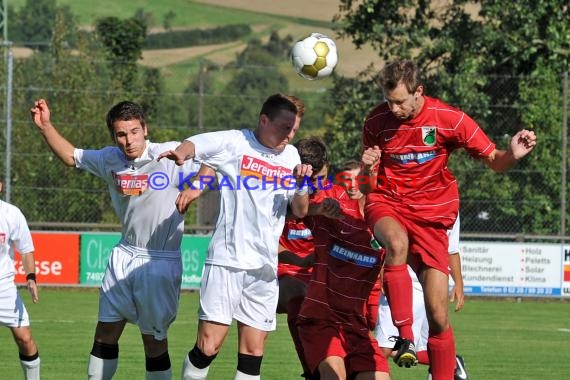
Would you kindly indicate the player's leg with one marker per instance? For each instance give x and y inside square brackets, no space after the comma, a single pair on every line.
[104,356]
[397,284]
[332,368]
[157,360]
[28,351]
[291,295]
[441,345]
[256,317]
[210,337]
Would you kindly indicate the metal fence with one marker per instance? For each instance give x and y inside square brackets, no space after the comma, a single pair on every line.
[76,201]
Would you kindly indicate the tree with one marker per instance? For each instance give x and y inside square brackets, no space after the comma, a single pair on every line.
[481,56]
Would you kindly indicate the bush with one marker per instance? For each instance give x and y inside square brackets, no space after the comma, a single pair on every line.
[196,37]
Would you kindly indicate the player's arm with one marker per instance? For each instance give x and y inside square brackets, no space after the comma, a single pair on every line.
[370,160]
[29,264]
[189,195]
[457,294]
[300,202]
[185,151]
[287,257]
[328,207]
[62,148]
[522,143]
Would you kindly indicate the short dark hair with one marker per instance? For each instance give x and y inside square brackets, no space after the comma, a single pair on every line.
[402,70]
[350,165]
[124,111]
[313,151]
[281,102]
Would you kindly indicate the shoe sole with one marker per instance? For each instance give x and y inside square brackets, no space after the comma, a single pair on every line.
[407,360]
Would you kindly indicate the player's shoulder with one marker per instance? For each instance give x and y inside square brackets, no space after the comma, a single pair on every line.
[154,149]
[442,108]
[10,211]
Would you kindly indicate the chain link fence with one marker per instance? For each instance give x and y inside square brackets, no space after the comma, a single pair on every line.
[55,197]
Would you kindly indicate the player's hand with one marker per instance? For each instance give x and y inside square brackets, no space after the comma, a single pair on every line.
[458,296]
[173,155]
[185,198]
[41,114]
[302,172]
[33,289]
[370,158]
[522,143]
[330,208]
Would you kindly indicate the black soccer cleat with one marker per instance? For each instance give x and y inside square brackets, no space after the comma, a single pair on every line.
[460,371]
[405,352]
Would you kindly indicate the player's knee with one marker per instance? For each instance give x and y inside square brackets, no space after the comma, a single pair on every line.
[249,364]
[199,359]
[159,363]
[105,351]
[25,342]
[438,322]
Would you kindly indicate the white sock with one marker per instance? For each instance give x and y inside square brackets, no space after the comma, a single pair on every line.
[243,376]
[101,369]
[189,372]
[31,369]
[159,375]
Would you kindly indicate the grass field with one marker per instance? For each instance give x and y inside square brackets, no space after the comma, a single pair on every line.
[502,340]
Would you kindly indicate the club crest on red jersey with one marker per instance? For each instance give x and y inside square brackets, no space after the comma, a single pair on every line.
[429,135]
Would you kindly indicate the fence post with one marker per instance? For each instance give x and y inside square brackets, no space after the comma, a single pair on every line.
[563,190]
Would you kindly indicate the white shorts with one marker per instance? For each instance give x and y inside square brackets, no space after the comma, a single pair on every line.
[385,327]
[13,313]
[142,287]
[248,296]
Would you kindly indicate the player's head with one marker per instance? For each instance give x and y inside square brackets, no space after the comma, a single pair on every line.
[348,178]
[126,123]
[403,90]
[279,119]
[313,151]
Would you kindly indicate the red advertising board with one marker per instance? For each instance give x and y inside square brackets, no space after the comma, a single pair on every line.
[57,259]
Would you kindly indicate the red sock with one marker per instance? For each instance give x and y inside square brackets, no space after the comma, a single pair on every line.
[441,351]
[398,289]
[423,357]
[293,308]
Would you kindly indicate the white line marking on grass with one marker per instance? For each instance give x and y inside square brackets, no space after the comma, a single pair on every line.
[564,330]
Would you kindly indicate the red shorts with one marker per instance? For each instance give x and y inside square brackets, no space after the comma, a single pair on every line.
[428,242]
[303,274]
[322,339]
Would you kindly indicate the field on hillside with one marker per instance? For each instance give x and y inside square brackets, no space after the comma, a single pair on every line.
[295,17]
[500,340]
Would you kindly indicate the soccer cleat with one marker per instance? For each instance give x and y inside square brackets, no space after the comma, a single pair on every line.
[405,352]
[460,371]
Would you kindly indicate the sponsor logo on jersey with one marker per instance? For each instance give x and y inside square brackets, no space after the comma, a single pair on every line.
[420,158]
[254,167]
[299,234]
[428,136]
[357,258]
[130,184]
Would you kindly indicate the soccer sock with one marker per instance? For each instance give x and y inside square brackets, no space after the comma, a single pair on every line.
[441,351]
[397,285]
[423,357]
[196,365]
[248,367]
[293,308]
[31,366]
[158,368]
[103,361]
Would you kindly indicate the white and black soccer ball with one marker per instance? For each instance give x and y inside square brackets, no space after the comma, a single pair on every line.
[315,56]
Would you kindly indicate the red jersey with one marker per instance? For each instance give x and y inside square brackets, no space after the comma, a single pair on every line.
[298,239]
[413,167]
[346,266]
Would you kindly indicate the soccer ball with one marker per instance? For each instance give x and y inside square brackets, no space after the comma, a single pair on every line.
[314,57]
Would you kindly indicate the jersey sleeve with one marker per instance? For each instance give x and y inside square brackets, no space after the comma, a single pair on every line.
[92,160]
[21,237]
[471,137]
[213,148]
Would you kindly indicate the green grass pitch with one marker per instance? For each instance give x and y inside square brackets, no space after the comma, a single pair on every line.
[500,339]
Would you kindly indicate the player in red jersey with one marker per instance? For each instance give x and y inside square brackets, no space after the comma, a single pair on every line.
[296,246]
[413,198]
[332,322]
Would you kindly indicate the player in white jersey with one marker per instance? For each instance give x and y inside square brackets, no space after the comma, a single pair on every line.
[14,233]
[386,332]
[142,281]
[258,172]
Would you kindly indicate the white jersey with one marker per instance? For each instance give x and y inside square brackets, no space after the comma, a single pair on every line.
[255,184]
[14,233]
[148,216]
